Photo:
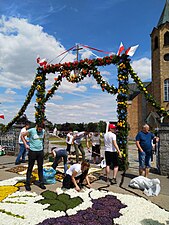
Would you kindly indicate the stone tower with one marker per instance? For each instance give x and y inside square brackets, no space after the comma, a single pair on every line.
[160,59]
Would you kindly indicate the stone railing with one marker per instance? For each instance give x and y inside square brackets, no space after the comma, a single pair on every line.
[10,140]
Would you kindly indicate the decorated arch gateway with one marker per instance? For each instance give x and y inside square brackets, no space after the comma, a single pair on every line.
[84,68]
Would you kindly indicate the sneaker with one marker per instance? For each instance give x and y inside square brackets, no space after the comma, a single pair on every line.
[27,187]
[17,163]
[108,181]
[113,181]
[42,186]
[23,161]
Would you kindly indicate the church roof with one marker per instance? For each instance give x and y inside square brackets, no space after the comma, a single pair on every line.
[134,91]
[165,14]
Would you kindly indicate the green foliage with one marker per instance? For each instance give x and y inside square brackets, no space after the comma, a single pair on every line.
[49,194]
[61,202]
[99,126]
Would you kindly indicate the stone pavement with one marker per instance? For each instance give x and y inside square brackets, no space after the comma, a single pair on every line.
[162,200]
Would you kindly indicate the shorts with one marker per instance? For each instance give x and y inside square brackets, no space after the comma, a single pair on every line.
[96,151]
[144,159]
[111,158]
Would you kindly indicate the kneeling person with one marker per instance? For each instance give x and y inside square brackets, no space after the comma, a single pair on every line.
[75,176]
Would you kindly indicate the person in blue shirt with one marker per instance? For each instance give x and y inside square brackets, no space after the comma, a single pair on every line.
[35,152]
[144,144]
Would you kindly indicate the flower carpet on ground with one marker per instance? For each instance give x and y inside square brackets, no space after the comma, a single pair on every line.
[64,207]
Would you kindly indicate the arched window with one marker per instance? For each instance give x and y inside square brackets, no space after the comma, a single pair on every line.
[166,38]
[155,42]
[166,90]
[166,57]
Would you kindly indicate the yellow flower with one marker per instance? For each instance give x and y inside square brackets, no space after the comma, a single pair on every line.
[38,87]
[20,184]
[38,99]
[39,78]
[7,190]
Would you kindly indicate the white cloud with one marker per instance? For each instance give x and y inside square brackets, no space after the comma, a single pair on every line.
[57,97]
[143,68]
[101,106]
[104,72]
[20,43]
[10,91]
[95,86]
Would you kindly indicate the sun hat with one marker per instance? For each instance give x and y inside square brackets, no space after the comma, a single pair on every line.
[112,126]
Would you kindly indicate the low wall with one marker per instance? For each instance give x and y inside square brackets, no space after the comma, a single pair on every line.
[10,140]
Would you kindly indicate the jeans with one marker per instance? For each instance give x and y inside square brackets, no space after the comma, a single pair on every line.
[60,154]
[32,156]
[77,148]
[22,153]
[144,159]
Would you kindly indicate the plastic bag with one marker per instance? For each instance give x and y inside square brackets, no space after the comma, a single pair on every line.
[151,187]
[49,175]
[103,163]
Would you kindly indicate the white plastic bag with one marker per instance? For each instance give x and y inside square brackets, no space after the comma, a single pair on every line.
[103,163]
[151,187]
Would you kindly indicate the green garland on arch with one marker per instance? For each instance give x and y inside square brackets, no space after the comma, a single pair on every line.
[147,95]
[23,108]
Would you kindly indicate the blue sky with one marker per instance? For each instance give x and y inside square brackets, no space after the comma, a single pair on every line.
[47,28]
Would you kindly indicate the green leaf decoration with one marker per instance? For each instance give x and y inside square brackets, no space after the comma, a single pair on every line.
[63,198]
[49,194]
[57,206]
[73,202]
[47,201]
[61,202]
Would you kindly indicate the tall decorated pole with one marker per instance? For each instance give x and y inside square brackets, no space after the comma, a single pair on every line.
[122,97]
[40,96]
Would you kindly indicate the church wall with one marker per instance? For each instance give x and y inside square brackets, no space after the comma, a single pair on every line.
[133,117]
[160,67]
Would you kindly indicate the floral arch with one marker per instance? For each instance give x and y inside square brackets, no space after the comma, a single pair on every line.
[88,67]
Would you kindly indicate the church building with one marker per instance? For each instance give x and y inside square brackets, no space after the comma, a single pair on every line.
[140,111]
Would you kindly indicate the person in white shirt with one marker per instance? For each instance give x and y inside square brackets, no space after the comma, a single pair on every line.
[78,137]
[22,149]
[69,139]
[75,176]
[96,142]
[111,153]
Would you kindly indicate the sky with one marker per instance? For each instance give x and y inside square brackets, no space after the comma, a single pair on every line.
[48,28]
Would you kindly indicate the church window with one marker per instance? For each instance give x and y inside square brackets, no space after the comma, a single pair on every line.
[166,57]
[166,90]
[155,42]
[166,38]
